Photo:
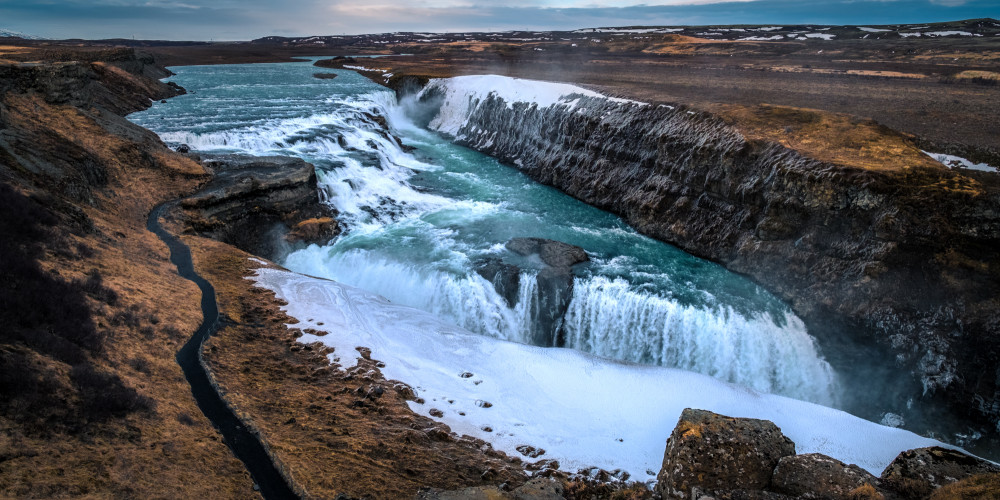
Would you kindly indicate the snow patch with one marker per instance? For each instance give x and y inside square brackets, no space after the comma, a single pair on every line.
[952,161]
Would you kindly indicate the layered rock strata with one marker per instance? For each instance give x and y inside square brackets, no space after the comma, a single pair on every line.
[262,205]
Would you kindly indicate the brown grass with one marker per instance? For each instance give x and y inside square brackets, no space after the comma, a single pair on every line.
[171,451]
[981,487]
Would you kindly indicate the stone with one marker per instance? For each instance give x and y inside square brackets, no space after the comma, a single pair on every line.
[818,476]
[539,489]
[555,284]
[553,253]
[714,452]
[506,278]
[923,470]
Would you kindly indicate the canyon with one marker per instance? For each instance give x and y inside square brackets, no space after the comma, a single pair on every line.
[900,257]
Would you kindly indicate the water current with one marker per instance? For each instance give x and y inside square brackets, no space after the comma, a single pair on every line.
[420,212]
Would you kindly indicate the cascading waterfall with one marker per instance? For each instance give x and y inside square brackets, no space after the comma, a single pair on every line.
[418,221]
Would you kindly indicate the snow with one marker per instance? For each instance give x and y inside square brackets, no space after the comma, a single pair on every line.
[949,33]
[463,92]
[952,161]
[763,38]
[4,33]
[872,30]
[908,35]
[583,410]
[824,36]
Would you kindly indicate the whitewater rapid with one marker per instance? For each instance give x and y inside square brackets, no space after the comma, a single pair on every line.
[421,212]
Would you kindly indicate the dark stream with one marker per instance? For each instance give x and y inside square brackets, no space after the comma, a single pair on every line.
[244,444]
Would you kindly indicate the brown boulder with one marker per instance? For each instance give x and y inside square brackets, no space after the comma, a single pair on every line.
[818,476]
[920,471]
[713,452]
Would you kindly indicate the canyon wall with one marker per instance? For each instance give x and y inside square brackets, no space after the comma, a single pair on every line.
[905,258]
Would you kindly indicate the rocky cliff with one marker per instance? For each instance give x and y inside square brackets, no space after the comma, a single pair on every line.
[904,257]
[261,205]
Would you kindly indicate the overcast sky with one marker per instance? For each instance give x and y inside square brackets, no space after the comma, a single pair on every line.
[249,19]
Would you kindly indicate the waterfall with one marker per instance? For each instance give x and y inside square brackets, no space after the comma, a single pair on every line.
[417,221]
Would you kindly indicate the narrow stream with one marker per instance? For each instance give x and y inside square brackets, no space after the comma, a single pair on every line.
[244,444]
[423,215]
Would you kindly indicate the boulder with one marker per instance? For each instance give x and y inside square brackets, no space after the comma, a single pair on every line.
[920,471]
[818,476]
[713,452]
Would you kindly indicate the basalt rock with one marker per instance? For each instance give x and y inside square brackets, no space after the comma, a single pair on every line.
[816,476]
[554,284]
[506,278]
[903,258]
[260,205]
[711,452]
[925,469]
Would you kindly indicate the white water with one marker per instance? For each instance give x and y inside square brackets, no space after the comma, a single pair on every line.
[417,222]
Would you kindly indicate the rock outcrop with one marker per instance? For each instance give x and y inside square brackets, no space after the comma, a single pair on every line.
[262,205]
[712,452]
[817,476]
[710,456]
[900,257]
[926,469]
[554,283]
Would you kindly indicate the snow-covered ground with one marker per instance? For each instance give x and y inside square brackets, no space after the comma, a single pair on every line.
[952,161]
[583,410]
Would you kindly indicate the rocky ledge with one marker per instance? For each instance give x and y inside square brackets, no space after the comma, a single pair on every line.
[262,205]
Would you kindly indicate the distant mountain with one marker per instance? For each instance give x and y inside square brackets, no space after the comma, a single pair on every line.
[14,34]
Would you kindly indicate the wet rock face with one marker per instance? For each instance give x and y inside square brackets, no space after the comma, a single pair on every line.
[817,476]
[555,284]
[905,259]
[506,278]
[926,469]
[713,452]
[262,205]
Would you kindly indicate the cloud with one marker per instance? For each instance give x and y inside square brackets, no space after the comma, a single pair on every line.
[248,19]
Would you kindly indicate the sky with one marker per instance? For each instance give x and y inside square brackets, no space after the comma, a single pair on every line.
[249,19]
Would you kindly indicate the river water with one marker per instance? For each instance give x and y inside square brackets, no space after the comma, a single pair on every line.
[420,215]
